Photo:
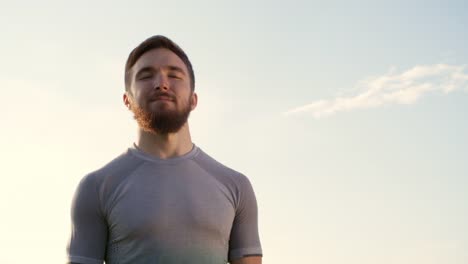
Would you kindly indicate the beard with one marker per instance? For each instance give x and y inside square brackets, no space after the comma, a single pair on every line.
[163,121]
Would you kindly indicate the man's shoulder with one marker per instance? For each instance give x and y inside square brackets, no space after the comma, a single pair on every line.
[219,170]
[114,170]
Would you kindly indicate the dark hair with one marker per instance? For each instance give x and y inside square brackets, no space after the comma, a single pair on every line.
[156,42]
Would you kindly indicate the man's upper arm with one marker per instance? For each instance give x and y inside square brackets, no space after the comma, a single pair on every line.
[248,260]
[244,242]
[88,238]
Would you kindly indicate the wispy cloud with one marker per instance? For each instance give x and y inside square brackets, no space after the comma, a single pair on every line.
[393,88]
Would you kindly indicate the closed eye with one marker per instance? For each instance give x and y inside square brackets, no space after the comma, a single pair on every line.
[145,77]
[175,76]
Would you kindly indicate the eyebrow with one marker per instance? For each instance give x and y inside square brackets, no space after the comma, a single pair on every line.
[175,68]
[168,67]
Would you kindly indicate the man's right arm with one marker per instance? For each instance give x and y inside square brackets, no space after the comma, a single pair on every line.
[88,238]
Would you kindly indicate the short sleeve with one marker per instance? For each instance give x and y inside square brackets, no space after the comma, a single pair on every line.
[244,240]
[88,238]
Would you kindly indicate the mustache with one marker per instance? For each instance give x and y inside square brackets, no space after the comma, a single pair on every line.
[158,95]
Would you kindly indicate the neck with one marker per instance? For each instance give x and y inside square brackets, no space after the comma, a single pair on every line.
[165,146]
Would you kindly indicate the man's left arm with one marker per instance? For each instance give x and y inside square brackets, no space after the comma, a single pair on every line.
[248,260]
[244,242]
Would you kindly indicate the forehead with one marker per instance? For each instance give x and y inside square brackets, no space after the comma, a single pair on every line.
[159,58]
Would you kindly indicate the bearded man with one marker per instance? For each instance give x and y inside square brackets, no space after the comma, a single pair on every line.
[163,200]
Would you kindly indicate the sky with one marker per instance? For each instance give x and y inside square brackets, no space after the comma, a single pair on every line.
[348,118]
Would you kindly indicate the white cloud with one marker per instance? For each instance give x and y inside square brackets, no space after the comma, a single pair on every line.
[393,88]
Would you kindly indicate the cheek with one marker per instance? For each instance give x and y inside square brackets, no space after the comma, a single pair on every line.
[142,94]
[187,100]
[140,101]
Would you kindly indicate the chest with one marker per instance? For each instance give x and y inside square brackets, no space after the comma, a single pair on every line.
[164,206]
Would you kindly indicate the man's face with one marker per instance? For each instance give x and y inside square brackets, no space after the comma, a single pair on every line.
[160,95]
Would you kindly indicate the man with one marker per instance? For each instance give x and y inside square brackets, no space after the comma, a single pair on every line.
[164,200]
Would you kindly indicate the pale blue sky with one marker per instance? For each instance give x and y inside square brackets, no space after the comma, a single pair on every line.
[377,179]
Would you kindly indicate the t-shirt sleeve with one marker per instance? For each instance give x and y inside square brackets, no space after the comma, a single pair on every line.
[88,238]
[244,240]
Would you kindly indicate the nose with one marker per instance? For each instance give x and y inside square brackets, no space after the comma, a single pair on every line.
[161,83]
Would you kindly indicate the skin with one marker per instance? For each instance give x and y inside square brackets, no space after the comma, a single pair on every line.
[248,260]
[160,77]
[162,71]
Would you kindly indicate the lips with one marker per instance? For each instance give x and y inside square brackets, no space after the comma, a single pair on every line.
[163,97]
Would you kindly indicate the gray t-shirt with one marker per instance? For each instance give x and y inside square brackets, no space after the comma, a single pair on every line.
[141,209]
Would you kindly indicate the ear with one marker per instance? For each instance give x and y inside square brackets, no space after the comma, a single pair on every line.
[126,100]
[194,101]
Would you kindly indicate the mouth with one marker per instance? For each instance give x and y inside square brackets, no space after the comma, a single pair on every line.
[163,98]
